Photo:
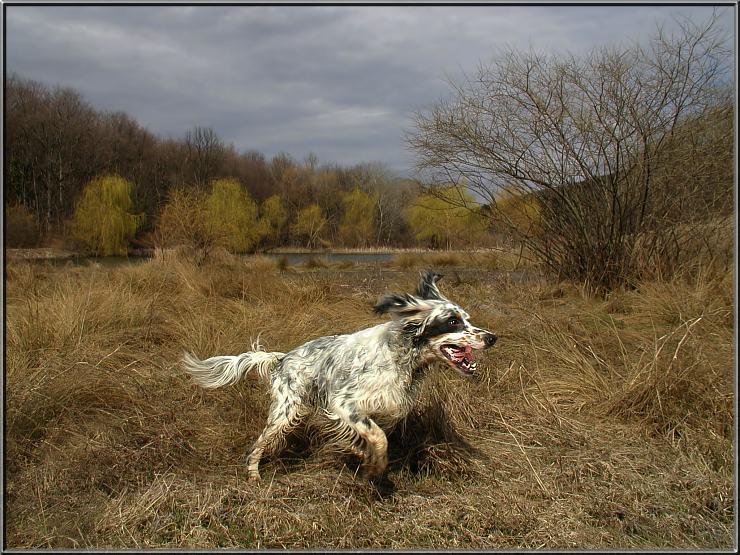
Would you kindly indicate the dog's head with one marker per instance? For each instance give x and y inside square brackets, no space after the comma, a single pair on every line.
[438,326]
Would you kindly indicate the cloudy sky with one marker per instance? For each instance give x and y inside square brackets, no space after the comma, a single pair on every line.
[338,81]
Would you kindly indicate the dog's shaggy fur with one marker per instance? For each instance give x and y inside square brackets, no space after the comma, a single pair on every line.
[363,382]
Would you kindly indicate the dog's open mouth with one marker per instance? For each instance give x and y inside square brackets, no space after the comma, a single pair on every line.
[461,357]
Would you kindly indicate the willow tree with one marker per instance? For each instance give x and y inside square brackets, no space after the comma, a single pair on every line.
[357,227]
[273,218]
[309,224]
[516,210]
[231,216]
[103,220]
[448,217]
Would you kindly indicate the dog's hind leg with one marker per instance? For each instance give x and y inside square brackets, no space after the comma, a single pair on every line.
[285,415]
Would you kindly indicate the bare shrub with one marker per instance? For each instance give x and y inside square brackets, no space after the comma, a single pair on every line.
[183,221]
[593,138]
[283,263]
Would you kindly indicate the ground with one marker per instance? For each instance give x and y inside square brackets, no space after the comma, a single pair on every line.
[593,423]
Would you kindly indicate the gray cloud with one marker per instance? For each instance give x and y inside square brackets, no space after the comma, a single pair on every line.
[338,81]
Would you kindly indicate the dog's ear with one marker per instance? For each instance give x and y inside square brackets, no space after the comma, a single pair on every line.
[400,305]
[427,288]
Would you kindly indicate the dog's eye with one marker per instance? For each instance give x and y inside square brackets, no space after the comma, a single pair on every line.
[453,321]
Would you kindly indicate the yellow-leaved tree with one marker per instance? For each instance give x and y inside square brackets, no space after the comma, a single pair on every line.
[517,209]
[103,220]
[273,219]
[309,224]
[446,218]
[357,227]
[231,216]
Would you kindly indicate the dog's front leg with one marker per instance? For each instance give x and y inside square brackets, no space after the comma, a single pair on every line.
[377,442]
[375,456]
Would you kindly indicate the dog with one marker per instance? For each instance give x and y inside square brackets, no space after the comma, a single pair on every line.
[364,382]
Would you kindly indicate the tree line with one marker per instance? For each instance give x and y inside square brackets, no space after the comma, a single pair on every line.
[57,144]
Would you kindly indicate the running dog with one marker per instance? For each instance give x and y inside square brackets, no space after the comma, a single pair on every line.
[363,382]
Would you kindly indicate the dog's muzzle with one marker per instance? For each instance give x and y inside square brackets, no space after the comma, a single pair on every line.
[489,339]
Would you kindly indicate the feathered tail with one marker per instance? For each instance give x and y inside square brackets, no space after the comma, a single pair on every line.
[225,370]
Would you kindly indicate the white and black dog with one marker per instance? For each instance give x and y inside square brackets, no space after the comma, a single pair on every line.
[363,382]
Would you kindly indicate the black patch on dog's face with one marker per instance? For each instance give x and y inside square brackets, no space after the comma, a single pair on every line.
[449,323]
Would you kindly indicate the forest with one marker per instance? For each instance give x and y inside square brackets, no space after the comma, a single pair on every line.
[58,144]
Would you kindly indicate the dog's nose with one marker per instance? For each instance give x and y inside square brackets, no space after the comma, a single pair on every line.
[490,339]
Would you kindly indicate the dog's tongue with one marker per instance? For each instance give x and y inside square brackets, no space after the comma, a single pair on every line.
[463,353]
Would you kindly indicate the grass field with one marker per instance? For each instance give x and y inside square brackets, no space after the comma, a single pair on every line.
[593,423]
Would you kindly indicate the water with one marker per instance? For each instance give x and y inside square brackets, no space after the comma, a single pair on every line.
[296,258]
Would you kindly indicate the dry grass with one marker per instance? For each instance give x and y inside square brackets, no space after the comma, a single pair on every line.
[689,250]
[594,423]
[494,259]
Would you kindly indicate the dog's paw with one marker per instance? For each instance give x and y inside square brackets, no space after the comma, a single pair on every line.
[383,485]
[368,472]
[254,477]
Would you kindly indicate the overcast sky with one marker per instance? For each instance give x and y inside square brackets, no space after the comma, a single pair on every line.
[338,81]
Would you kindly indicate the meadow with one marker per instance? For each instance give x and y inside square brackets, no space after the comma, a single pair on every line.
[595,422]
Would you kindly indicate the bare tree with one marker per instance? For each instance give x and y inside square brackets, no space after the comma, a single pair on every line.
[585,138]
[48,134]
[205,153]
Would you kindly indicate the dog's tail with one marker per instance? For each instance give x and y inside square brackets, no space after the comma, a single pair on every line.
[219,371]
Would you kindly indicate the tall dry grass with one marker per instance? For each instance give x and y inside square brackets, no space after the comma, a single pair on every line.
[494,259]
[594,422]
[691,251]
